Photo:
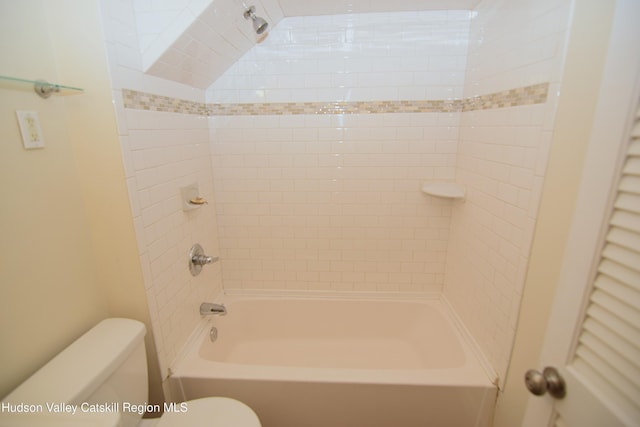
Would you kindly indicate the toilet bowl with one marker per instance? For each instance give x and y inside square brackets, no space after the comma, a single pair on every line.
[101,380]
[210,411]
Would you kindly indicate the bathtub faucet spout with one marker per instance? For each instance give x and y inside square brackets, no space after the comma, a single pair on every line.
[211,308]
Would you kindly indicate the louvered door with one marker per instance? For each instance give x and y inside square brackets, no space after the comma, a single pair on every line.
[593,334]
[605,366]
[608,351]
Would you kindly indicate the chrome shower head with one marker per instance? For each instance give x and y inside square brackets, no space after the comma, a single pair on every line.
[259,24]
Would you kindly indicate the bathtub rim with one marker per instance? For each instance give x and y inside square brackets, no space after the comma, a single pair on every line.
[476,371]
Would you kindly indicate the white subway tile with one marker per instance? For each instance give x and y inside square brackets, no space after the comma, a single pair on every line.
[334,202]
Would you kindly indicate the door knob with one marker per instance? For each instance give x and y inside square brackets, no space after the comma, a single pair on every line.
[549,381]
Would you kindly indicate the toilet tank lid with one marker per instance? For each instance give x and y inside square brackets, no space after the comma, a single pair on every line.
[78,370]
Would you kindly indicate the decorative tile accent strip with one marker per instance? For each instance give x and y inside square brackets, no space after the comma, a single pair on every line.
[361,107]
[151,102]
[528,95]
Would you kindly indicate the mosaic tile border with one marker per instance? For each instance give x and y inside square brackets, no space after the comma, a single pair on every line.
[148,101]
[361,107]
[528,95]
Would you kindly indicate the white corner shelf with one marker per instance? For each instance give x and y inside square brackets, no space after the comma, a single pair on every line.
[444,190]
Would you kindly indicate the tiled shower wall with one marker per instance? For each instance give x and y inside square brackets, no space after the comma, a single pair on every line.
[332,201]
[502,157]
[324,231]
[357,57]
[163,151]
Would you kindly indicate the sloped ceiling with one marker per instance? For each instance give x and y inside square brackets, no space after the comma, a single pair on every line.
[195,41]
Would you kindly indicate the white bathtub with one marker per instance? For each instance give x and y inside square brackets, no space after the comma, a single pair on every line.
[339,362]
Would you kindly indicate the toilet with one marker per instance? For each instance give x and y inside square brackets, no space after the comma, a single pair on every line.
[101,380]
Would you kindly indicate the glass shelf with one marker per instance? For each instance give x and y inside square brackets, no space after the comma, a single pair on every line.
[43,88]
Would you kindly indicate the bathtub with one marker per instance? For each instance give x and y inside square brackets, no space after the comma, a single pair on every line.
[330,362]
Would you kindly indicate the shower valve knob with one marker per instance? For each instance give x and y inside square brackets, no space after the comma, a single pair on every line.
[201,259]
[197,259]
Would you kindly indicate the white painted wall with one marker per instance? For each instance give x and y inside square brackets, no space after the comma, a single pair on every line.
[68,244]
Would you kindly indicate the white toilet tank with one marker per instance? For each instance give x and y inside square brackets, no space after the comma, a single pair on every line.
[103,373]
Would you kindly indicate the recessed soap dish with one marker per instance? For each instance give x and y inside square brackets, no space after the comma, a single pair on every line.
[190,198]
[445,190]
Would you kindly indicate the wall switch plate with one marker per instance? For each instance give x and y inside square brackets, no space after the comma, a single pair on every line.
[30,129]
